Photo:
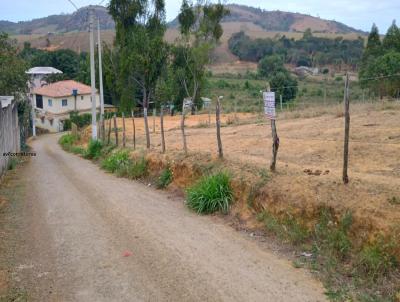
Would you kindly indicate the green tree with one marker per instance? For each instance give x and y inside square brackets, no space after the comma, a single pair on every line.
[201,30]
[392,39]
[12,69]
[270,65]
[282,83]
[140,28]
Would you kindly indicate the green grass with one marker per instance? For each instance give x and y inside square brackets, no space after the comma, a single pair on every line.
[135,169]
[165,178]
[377,259]
[67,141]
[12,164]
[116,160]
[211,194]
[286,228]
[93,150]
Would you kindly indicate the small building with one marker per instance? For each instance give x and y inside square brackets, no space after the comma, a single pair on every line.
[54,102]
[38,75]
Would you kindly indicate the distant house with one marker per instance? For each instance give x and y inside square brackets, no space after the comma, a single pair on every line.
[54,102]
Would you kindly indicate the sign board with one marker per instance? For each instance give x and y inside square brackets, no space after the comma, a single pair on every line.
[187,103]
[269,105]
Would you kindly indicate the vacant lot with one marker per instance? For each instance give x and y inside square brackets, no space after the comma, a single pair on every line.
[310,155]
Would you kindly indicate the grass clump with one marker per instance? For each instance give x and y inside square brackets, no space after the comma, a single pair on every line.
[211,194]
[377,259]
[77,150]
[333,237]
[394,200]
[135,169]
[93,150]
[12,164]
[67,141]
[115,160]
[165,178]
[286,228]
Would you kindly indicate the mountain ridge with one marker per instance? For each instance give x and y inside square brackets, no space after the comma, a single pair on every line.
[267,20]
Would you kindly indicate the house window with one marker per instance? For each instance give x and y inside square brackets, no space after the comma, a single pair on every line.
[39,101]
[82,97]
[64,102]
[50,102]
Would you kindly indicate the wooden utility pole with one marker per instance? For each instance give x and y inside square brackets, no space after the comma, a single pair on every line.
[346,130]
[183,128]
[109,131]
[123,131]
[218,123]
[162,129]
[134,130]
[92,76]
[102,126]
[116,130]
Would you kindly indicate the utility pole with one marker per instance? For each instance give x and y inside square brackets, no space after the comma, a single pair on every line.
[92,76]
[102,127]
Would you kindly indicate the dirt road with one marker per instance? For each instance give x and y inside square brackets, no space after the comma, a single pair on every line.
[89,236]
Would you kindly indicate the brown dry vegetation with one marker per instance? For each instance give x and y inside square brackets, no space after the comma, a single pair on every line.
[310,160]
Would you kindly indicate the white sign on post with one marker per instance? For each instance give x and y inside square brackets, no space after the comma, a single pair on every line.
[269,105]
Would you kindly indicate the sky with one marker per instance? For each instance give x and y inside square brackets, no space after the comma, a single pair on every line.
[359,14]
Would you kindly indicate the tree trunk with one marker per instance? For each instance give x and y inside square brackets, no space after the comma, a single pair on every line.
[218,123]
[134,130]
[123,131]
[116,130]
[162,130]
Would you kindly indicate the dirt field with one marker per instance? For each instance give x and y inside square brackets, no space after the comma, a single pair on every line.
[308,146]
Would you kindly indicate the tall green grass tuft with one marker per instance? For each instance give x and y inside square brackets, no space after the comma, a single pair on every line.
[211,194]
[133,169]
[67,141]
[93,150]
[116,160]
[165,178]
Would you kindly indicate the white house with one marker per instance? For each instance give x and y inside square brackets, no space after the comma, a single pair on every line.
[54,102]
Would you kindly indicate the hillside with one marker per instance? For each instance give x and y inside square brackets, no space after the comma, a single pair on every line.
[267,20]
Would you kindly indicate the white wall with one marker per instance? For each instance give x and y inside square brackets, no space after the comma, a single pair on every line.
[82,103]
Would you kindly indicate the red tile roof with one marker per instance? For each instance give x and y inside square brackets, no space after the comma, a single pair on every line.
[62,89]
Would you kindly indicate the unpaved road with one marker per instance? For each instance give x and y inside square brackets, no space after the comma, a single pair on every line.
[81,221]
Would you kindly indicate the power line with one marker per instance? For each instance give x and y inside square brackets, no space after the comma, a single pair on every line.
[73,4]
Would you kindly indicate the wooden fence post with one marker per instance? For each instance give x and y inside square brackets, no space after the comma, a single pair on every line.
[281,101]
[162,129]
[218,123]
[183,128]
[275,140]
[123,131]
[134,130]
[346,130]
[116,130]
[154,120]
[109,131]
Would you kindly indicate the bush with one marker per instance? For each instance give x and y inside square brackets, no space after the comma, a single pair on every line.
[116,160]
[210,194]
[67,140]
[94,149]
[165,178]
[77,150]
[137,168]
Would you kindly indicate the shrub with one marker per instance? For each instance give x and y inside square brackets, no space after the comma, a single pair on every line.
[67,140]
[137,168]
[210,194]
[77,150]
[93,150]
[165,178]
[116,160]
